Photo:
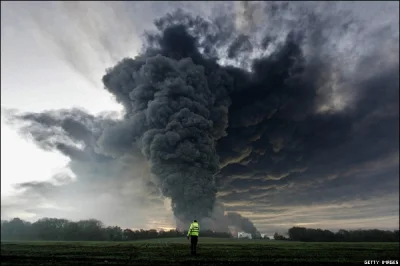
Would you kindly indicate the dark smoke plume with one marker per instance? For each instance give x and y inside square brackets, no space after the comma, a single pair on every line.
[203,125]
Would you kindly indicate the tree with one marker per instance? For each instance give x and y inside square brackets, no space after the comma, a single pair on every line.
[114,233]
[318,235]
[279,237]
[94,230]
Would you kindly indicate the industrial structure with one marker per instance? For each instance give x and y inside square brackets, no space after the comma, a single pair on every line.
[244,235]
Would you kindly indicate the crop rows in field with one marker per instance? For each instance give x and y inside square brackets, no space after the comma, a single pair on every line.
[177,252]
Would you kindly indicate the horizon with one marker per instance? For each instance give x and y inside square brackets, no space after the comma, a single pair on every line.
[233,233]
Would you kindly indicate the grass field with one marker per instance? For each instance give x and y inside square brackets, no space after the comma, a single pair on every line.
[176,251]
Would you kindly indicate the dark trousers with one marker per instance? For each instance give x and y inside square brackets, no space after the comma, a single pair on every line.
[193,244]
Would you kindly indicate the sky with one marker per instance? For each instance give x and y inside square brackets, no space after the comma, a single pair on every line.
[54,55]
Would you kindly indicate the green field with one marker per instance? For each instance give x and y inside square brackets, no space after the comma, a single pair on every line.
[176,251]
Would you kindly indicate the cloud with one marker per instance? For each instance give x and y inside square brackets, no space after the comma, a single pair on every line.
[300,113]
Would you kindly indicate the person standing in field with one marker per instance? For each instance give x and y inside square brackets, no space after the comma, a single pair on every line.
[193,233]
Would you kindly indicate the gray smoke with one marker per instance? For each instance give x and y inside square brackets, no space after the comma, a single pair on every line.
[172,112]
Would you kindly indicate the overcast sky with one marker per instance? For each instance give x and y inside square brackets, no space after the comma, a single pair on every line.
[53,55]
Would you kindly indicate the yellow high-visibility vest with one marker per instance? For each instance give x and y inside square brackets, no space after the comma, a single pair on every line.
[194,229]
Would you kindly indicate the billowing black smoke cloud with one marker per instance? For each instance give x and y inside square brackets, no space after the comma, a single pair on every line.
[203,126]
[177,102]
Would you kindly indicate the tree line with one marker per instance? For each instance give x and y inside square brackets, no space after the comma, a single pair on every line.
[319,235]
[53,229]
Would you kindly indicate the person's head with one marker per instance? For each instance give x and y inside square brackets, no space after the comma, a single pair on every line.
[195,221]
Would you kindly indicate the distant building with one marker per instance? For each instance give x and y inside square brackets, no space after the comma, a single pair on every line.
[244,235]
